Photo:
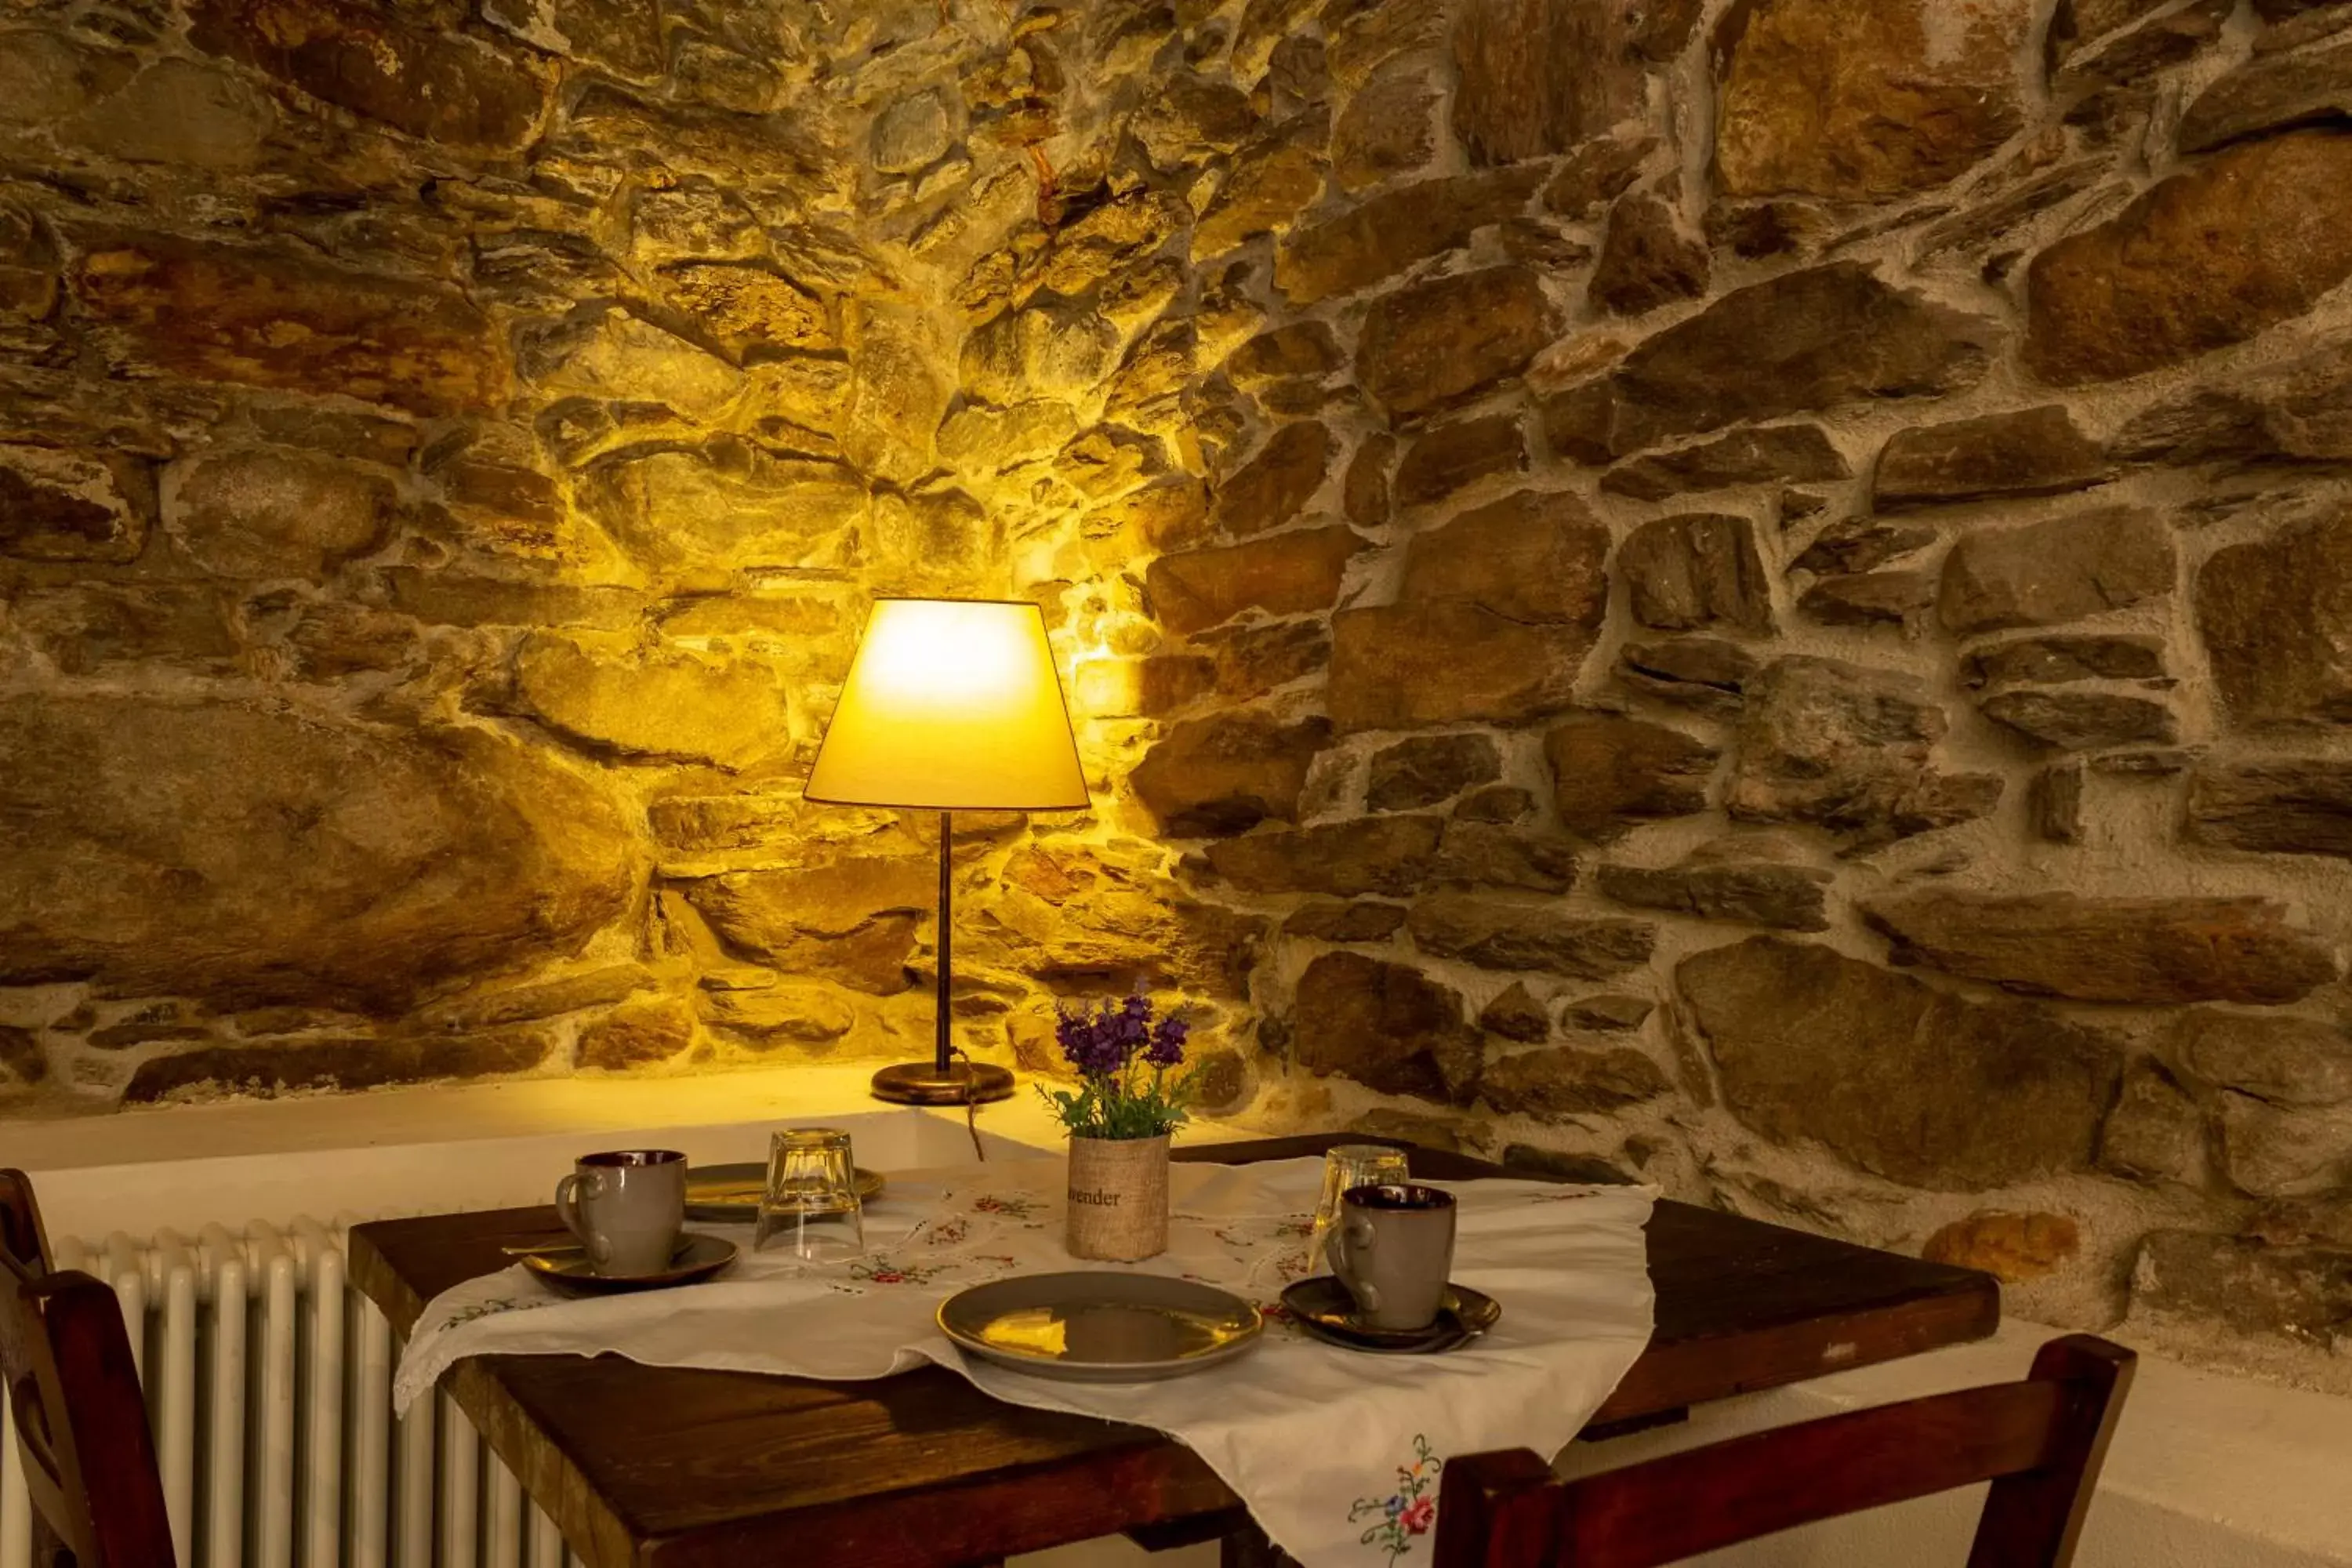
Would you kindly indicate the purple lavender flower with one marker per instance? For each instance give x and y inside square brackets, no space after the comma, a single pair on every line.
[1167,1047]
[1104,1044]
[1101,1044]
[1093,1045]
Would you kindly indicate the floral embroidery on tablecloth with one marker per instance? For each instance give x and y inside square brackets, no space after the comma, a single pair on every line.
[953,1232]
[492,1308]
[1409,1511]
[889,1271]
[1009,1205]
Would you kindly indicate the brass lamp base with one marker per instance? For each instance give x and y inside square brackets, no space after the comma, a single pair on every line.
[922,1083]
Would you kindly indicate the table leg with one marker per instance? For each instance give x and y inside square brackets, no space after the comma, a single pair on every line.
[1247,1546]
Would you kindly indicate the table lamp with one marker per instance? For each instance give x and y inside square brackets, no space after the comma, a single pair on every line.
[951,705]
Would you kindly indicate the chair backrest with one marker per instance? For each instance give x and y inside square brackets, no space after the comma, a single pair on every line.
[21,1235]
[81,1422]
[2040,1442]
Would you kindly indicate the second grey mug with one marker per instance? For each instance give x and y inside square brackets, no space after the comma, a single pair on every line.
[1392,1248]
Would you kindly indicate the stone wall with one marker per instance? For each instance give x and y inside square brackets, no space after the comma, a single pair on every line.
[1759,596]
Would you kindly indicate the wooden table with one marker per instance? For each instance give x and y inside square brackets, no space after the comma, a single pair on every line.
[642,1465]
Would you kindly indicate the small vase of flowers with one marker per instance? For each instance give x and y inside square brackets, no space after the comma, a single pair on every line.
[1128,1101]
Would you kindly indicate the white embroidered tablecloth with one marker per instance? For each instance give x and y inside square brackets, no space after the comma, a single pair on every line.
[1336,1453]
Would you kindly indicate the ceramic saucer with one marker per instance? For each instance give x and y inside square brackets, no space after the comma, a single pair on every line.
[696,1257]
[1325,1309]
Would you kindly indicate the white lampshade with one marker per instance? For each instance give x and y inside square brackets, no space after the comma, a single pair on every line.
[952,705]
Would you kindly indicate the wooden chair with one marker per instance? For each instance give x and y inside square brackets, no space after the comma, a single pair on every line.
[21,1235]
[89,1458]
[2040,1442]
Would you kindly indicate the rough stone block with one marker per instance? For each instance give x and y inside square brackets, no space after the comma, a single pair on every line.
[65,505]
[1387,1027]
[2143,950]
[269,318]
[633,703]
[1458,454]
[1512,932]
[2299,1294]
[2288,807]
[1515,1014]
[1391,230]
[2269,91]
[1430,769]
[1903,1080]
[1360,921]
[1427,345]
[1564,1082]
[294,1066]
[1816,338]
[2083,721]
[1723,883]
[1695,571]
[2289,1061]
[2275,1152]
[2155,1133]
[1873,598]
[396,862]
[2062,570]
[1386,854]
[1865,99]
[1609,772]
[1227,774]
[439,87]
[1280,574]
[2034,451]
[1398,666]
[642,1035]
[2207,258]
[1539,77]
[1797,454]
[1275,486]
[1646,261]
[1839,747]
[2277,618]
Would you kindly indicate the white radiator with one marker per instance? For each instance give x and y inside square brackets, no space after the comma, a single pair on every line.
[268,1381]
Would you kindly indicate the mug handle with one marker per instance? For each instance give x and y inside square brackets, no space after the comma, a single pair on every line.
[1352,1238]
[567,1209]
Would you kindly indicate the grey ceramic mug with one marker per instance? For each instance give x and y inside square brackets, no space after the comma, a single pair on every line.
[627,1206]
[1394,1249]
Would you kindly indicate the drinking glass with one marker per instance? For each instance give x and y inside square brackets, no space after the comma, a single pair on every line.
[811,1203]
[1352,1166]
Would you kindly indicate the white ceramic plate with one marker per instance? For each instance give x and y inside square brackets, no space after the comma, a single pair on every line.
[1101,1326]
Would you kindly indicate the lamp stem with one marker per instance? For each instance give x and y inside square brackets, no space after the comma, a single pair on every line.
[946,1063]
[943,1080]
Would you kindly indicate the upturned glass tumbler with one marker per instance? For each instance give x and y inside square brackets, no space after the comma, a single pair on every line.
[811,1204]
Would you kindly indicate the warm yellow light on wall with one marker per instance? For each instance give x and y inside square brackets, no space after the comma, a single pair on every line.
[951,705]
